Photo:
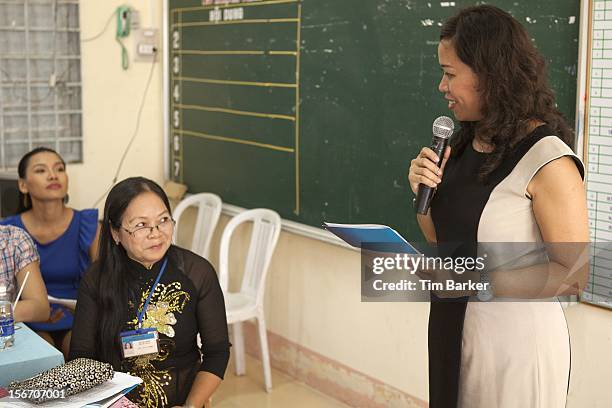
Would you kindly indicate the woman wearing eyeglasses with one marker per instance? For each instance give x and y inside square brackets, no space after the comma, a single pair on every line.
[143,303]
[65,238]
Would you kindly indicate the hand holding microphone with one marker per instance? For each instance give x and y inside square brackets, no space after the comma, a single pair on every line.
[426,169]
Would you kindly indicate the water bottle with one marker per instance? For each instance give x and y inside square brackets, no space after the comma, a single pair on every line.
[7,323]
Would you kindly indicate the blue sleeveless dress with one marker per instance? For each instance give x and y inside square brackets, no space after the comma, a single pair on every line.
[63,262]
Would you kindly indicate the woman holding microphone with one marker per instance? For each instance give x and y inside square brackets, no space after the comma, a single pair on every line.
[509,175]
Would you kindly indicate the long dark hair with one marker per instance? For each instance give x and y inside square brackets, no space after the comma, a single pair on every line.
[113,263]
[511,79]
[25,202]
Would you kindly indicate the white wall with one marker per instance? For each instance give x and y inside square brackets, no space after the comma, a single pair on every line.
[111,97]
[313,296]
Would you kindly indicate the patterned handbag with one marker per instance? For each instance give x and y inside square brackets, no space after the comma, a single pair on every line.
[62,381]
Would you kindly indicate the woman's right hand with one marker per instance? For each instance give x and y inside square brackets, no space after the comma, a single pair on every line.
[56,315]
[423,169]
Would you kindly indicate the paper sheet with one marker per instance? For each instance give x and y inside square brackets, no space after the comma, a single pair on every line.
[69,303]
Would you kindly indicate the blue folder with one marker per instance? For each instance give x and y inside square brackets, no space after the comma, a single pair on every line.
[374,237]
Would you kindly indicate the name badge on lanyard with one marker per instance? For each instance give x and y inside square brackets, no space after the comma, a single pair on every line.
[142,341]
[139,342]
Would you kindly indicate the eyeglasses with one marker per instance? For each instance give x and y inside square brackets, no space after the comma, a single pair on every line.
[164,226]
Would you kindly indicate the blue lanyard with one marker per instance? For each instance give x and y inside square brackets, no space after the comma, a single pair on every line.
[144,308]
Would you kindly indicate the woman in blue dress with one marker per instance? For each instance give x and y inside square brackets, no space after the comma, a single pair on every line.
[66,239]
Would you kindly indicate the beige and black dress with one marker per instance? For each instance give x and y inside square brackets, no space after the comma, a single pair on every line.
[496,354]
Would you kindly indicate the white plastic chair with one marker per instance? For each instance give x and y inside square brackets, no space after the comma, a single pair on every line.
[209,210]
[247,304]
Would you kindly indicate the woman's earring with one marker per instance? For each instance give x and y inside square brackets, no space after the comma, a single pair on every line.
[26,201]
[66,199]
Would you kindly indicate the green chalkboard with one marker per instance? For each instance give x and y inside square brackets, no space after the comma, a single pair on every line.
[315,108]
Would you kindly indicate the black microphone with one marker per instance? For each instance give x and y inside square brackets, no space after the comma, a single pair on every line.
[442,130]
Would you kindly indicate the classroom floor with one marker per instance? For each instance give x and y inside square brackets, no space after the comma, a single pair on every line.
[248,391]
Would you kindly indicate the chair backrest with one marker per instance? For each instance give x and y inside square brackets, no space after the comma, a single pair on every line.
[264,236]
[209,210]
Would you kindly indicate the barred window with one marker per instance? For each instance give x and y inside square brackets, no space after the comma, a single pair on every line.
[40,79]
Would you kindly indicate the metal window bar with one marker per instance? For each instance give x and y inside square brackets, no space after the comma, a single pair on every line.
[40,56]
[46,112]
[55,101]
[2,149]
[38,82]
[28,88]
[44,140]
[26,96]
[41,29]
[18,2]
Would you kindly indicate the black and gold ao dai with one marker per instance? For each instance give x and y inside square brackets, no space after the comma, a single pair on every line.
[186,302]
